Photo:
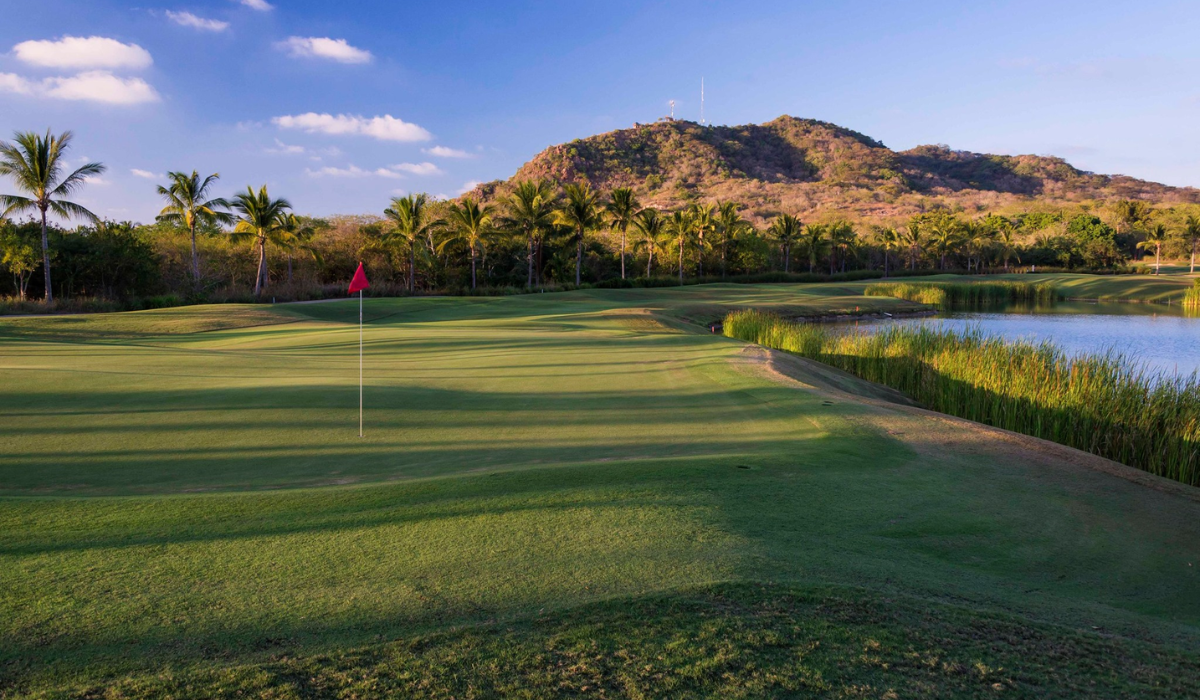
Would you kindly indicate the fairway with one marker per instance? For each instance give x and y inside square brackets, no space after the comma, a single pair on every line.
[185,505]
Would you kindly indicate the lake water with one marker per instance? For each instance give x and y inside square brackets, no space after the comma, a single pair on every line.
[1161,336]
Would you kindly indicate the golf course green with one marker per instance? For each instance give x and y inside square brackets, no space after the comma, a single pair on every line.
[580,494]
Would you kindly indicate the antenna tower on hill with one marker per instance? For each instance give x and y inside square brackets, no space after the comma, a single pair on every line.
[701,101]
[672,103]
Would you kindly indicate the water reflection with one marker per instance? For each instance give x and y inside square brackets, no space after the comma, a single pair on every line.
[1165,338]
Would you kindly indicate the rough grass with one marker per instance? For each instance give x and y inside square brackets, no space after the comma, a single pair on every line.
[947,294]
[730,641]
[524,456]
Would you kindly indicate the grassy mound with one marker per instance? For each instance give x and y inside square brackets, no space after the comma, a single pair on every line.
[725,641]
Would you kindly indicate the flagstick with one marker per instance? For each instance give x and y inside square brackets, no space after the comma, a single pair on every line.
[360,363]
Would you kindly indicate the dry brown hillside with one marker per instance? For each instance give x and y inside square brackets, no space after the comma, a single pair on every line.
[821,170]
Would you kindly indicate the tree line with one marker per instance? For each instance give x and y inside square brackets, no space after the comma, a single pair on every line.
[532,234]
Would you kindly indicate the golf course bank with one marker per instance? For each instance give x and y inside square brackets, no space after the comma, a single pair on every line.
[573,494]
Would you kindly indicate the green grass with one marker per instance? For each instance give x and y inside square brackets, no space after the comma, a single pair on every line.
[947,294]
[186,510]
[1105,404]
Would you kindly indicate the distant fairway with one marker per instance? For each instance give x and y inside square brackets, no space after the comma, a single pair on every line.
[185,507]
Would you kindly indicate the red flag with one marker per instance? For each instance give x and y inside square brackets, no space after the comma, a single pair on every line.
[360,280]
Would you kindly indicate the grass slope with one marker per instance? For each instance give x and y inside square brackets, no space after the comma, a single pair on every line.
[526,456]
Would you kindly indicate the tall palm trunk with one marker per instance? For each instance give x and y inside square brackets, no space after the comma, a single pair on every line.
[472,266]
[649,262]
[412,266]
[724,251]
[1157,250]
[885,262]
[700,256]
[787,258]
[622,252]
[578,255]
[1193,255]
[260,280]
[46,258]
[196,260]
[681,261]
[529,274]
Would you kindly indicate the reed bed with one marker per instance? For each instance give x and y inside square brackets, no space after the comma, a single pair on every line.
[944,294]
[1104,404]
[1191,298]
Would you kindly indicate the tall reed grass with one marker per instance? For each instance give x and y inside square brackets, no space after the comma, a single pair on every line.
[945,294]
[1191,298]
[1105,404]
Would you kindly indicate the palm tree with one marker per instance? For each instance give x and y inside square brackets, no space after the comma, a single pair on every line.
[977,237]
[813,240]
[1156,235]
[888,239]
[1191,233]
[188,205]
[471,223]
[621,208]
[529,210]
[680,227]
[410,222]
[261,220]
[581,213]
[35,165]
[786,229]
[944,234]
[730,223]
[650,227]
[913,235]
[841,238]
[297,233]
[702,222]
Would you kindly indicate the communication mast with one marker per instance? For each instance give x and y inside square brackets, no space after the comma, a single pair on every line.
[701,101]
[672,103]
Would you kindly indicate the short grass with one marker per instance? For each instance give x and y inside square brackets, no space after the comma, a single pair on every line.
[187,510]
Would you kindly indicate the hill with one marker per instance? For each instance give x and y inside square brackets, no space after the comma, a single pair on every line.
[813,168]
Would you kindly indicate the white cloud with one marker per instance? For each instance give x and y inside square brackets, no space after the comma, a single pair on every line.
[282,148]
[92,86]
[444,152]
[97,180]
[260,5]
[324,47]
[352,171]
[10,82]
[81,52]
[469,185]
[187,19]
[137,172]
[100,86]
[385,128]
[418,168]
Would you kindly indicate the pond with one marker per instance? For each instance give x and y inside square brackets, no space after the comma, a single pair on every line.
[1164,338]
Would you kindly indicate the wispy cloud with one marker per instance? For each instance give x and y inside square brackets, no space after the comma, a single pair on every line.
[92,86]
[324,47]
[384,128]
[83,52]
[468,186]
[187,19]
[146,174]
[417,168]
[352,171]
[445,152]
[282,148]
[260,5]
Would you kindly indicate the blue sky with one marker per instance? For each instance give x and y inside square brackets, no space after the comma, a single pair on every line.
[339,106]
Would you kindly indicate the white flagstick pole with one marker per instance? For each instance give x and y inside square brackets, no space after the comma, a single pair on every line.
[360,363]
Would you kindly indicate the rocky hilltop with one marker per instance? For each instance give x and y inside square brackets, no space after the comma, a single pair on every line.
[818,169]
